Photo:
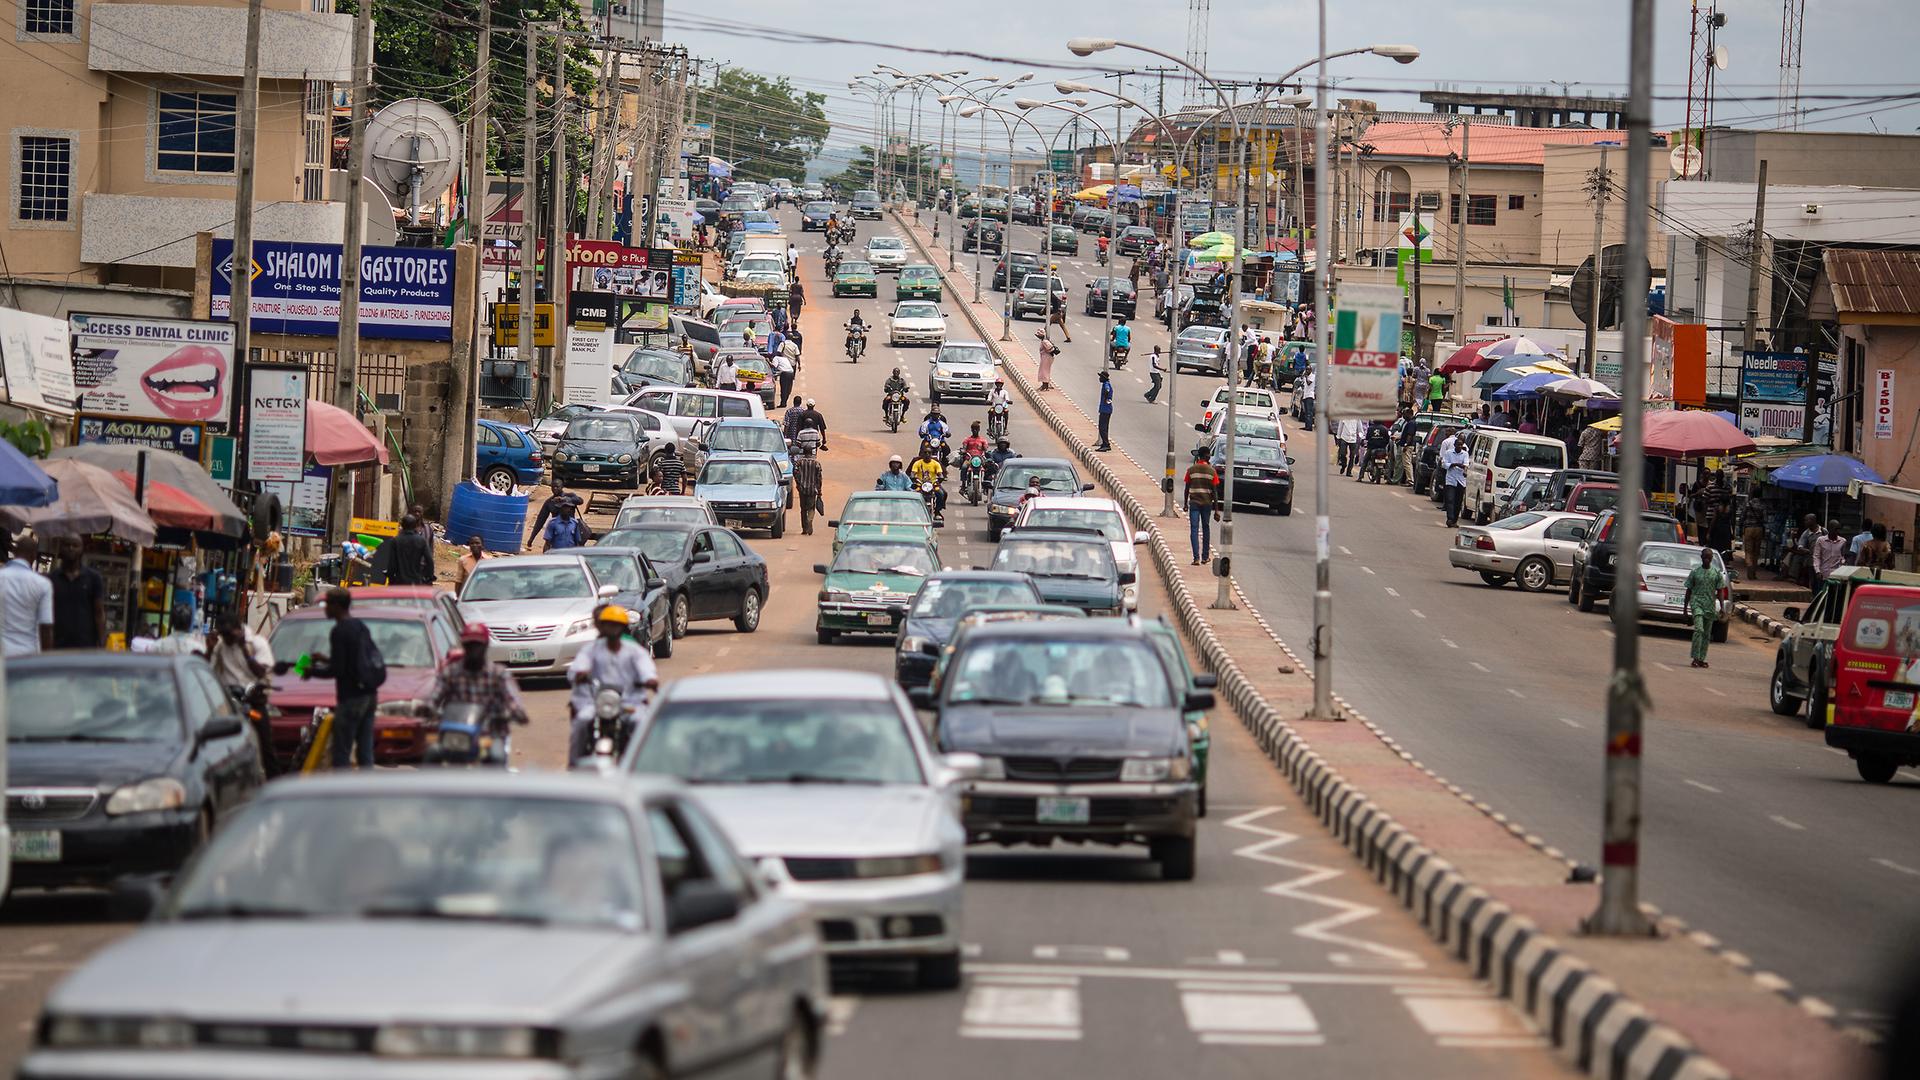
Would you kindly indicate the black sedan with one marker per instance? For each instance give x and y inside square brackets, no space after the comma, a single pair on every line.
[814,215]
[708,572]
[1134,239]
[982,234]
[642,591]
[601,449]
[1081,735]
[1262,472]
[1125,298]
[943,599]
[121,764]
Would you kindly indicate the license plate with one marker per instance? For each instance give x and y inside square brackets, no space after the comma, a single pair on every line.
[1247,474]
[1676,600]
[1061,810]
[36,845]
[1895,699]
[589,468]
[877,618]
[520,656]
[733,523]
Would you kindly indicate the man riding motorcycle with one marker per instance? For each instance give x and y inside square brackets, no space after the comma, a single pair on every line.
[999,407]
[973,449]
[926,469]
[613,660]
[1121,343]
[1002,453]
[895,384]
[935,429]
[1101,256]
[895,478]
[856,328]
[475,680]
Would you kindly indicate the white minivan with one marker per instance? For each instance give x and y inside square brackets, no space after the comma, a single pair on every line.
[1496,453]
[685,406]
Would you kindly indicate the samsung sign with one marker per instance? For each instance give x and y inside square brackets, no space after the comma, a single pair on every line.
[404,292]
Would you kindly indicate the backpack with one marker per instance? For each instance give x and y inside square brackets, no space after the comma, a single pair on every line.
[373,666]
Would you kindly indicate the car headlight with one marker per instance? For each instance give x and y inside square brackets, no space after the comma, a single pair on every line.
[147,796]
[397,708]
[942,373]
[1003,511]
[580,626]
[897,866]
[79,1032]
[559,455]
[446,1040]
[992,768]
[1155,770]
[625,459]
[1130,595]
[912,644]
[835,596]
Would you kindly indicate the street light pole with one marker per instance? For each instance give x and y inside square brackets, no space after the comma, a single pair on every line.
[1323,430]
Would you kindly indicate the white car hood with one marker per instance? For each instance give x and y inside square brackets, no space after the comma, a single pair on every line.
[833,820]
[505,614]
[919,324]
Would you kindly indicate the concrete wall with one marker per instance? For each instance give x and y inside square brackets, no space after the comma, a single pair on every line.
[1814,157]
[1896,348]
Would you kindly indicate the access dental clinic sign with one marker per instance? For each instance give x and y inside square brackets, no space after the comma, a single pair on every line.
[1363,378]
[405,293]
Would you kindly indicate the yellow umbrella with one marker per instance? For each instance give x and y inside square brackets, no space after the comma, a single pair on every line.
[1611,423]
[1094,193]
[1549,365]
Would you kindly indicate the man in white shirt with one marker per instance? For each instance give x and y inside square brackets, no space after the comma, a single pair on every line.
[26,602]
[1859,539]
[728,374]
[239,655]
[1306,399]
[614,660]
[179,641]
[1453,466]
[1347,433]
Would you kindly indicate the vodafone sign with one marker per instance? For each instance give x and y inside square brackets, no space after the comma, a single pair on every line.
[607,255]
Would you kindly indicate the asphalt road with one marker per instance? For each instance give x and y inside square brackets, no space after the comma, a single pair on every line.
[1754,830]
[1281,957]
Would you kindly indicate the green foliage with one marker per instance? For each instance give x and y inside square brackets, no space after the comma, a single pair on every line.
[31,437]
[859,171]
[764,126]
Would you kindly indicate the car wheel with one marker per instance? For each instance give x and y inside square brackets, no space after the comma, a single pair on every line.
[1286,508]
[1779,698]
[1493,579]
[1202,808]
[1175,855]
[1719,632]
[797,1054]
[825,637]
[663,646]
[498,480]
[1817,696]
[993,531]
[1875,769]
[749,618]
[1573,587]
[1585,603]
[1534,574]
[779,528]
[941,972]
[681,615]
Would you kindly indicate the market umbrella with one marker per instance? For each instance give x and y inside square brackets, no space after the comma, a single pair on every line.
[1092,194]
[336,437]
[1517,346]
[1687,433]
[1467,358]
[22,481]
[92,501]
[169,468]
[1525,387]
[1823,473]
[1548,365]
[1222,253]
[1579,388]
[171,508]
[1210,239]
[1611,423]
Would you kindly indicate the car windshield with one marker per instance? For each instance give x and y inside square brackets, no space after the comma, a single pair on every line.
[738,472]
[886,243]
[615,568]
[1673,556]
[1596,498]
[1517,521]
[916,311]
[1052,477]
[853,269]
[654,365]
[881,557]
[819,208]
[1106,521]
[757,440]
[1514,454]
[1203,334]
[779,742]
[1040,281]
[1024,671]
[440,856]
[872,196]
[762,264]
[93,703]
[601,428]
[1056,558]
[889,511]
[658,545]
[917,273]
[1257,398]
[951,599]
[1255,453]
[493,582]
[1257,427]
[966,354]
[402,642]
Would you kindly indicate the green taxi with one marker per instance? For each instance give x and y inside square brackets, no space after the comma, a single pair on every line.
[856,279]
[1183,679]
[920,282]
[888,515]
[870,585]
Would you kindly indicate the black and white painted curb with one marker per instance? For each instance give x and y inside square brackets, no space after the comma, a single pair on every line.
[1762,620]
[1584,1014]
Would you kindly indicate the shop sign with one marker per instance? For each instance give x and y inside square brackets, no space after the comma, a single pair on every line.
[405,293]
[187,440]
[1883,403]
[160,369]
[277,423]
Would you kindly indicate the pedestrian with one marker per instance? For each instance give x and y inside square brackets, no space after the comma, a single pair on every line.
[1156,368]
[1859,540]
[26,601]
[783,373]
[180,640]
[1593,447]
[1876,554]
[1800,555]
[1829,555]
[358,671]
[409,558]
[1753,535]
[1702,598]
[1436,390]
[1106,411]
[1058,317]
[669,472]
[476,553]
[807,486]
[796,295]
[566,530]
[79,600]
[1348,434]
[1403,445]
[557,497]
[1453,466]
[239,656]
[790,420]
[1202,484]
[1048,350]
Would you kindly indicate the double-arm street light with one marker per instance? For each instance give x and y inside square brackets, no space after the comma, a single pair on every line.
[1069,106]
[1323,595]
[1006,233]
[960,91]
[982,97]
[918,83]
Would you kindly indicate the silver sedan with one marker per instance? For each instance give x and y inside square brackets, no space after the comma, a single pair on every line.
[453,924]
[1663,586]
[1534,549]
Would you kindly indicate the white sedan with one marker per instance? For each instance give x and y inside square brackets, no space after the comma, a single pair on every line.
[1534,549]
[887,253]
[1250,402]
[916,322]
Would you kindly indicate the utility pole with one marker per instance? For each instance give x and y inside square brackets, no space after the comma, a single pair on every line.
[464,374]
[562,190]
[1460,235]
[1599,188]
[241,310]
[529,218]
[346,358]
[599,159]
[1757,261]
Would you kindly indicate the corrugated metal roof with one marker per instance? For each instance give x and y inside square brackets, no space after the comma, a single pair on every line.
[1874,282]
[1493,144]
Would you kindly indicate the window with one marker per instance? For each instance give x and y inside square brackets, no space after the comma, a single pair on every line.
[727,546]
[736,407]
[46,178]
[47,16]
[1516,202]
[489,436]
[697,405]
[1481,209]
[196,133]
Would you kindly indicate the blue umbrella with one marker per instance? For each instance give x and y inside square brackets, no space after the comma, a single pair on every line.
[1526,387]
[1824,473]
[23,483]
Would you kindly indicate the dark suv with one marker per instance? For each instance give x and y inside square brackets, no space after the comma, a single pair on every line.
[1596,559]
[1125,300]
[1134,239]
[984,234]
[1023,263]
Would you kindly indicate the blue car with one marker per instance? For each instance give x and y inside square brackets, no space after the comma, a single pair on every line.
[506,457]
[746,491]
[745,437]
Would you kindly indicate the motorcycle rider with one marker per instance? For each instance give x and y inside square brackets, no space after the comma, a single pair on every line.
[934,429]
[974,445]
[1122,340]
[1102,243]
[895,478]
[896,384]
[1000,400]
[855,327]
[926,469]
[474,680]
[613,660]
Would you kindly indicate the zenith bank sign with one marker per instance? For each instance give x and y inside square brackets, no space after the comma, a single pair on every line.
[605,254]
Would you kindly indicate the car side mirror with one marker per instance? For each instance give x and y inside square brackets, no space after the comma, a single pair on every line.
[700,903]
[921,697]
[930,648]
[962,765]
[1792,614]
[1199,427]
[833,523]
[1086,487]
[1141,537]
[700,557]
[220,727]
[606,592]
[1198,701]
[656,583]
[820,568]
[1128,577]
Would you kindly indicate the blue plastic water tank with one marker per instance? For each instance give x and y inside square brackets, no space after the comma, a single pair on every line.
[499,520]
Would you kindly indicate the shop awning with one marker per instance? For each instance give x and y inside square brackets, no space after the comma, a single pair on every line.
[1883,491]
[92,502]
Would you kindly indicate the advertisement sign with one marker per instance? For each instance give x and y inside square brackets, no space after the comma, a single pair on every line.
[606,254]
[303,505]
[506,324]
[35,361]
[1883,403]
[1775,420]
[220,454]
[1607,368]
[404,292]
[161,369]
[686,279]
[644,316]
[1364,374]
[1825,371]
[589,371]
[277,423]
[1770,376]
[187,440]
[1679,369]
[593,310]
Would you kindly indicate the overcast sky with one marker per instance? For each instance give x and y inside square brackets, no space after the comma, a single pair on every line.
[1853,49]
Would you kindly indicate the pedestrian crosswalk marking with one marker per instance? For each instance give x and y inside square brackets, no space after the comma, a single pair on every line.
[1266,1019]
[997,1011]
[1471,1022]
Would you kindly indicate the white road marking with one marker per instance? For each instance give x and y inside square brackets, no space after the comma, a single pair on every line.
[1111,953]
[1786,823]
[1515,693]
[1897,867]
[1021,1012]
[1571,722]
[45,948]
[1482,668]
[1465,1021]
[1708,788]
[1393,592]
[1299,888]
[1712,691]
[1663,667]
[1251,1019]
[1231,956]
[1417,613]
[1449,643]
[1345,550]
[1368,569]
[840,1010]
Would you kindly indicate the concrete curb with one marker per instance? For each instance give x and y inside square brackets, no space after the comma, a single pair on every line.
[1762,620]
[1584,1014]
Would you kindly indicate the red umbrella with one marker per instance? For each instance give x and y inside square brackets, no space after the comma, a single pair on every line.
[1467,358]
[1687,433]
[172,508]
[337,437]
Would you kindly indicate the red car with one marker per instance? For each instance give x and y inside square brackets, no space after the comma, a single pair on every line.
[424,597]
[414,642]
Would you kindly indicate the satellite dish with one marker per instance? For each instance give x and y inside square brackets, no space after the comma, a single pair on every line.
[1613,263]
[414,150]
[1720,57]
[1684,159]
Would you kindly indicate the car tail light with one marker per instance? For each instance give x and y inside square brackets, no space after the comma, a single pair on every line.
[1483,543]
[1643,583]
[536,459]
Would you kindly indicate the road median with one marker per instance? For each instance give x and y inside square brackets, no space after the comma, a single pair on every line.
[1498,897]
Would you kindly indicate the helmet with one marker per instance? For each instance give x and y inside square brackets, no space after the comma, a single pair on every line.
[614,613]
[475,631]
[894,460]
[998,381]
[809,403]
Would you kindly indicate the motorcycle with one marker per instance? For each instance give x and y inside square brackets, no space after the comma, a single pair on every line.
[997,422]
[896,409]
[255,700]
[831,261]
[463,736]
[1100,256]
[970,478]
[1117,355]
[930,494]
[613,724]
[856,344]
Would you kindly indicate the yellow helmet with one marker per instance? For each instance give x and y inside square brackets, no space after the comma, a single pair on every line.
[614,613]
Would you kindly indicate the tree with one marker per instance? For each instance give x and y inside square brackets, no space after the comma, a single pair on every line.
[859,172]
[763,126]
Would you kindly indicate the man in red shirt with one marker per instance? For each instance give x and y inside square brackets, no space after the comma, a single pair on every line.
[1202,502]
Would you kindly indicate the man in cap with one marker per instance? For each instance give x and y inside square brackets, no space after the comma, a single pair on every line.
[612,661]
[895,478]
[474,680]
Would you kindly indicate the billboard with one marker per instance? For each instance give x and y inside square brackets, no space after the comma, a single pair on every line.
[159,369]
[405,293]
[36,362]
[1364,375]
[187,440]
[1771,376]
[277,423]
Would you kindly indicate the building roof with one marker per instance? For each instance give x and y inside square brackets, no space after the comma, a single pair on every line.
[1867,284]
[1492,144]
